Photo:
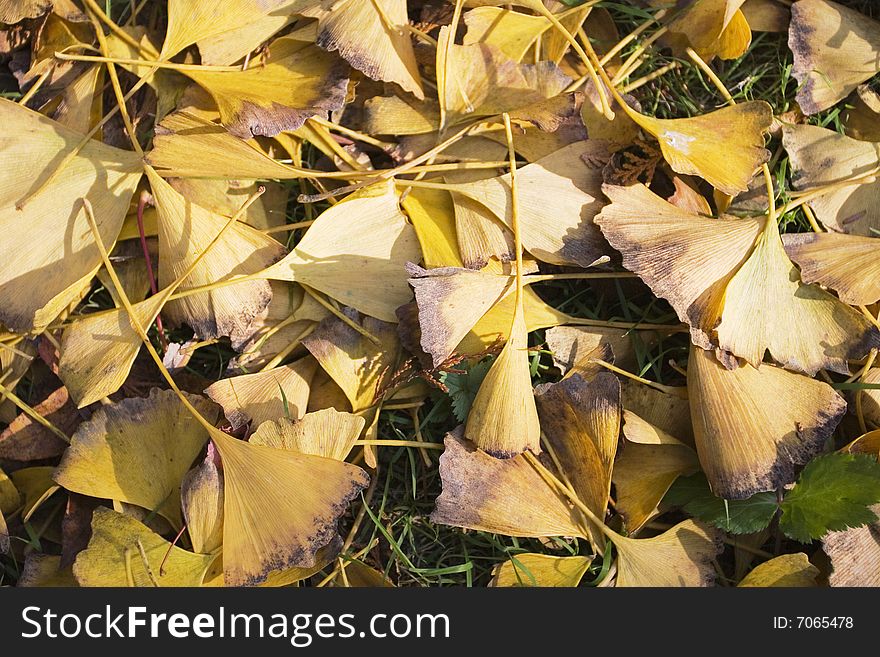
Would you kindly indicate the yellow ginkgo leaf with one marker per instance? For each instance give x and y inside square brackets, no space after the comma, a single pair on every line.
[690,145]
[503,419]
[478,80]
[225,197]
[755,427]
[580,421]
[373,38]
[855,555]
[123,552]
[266,526]
[254,30]
[574,347]
[328,432]
[45,570]
[504,496]
[188,145]
[711,27]
[35,485]
[848,264]
[558,197]
[36,284]
[356,252]
[432,214]
[357,365]
[542,570]
[863,114]
[787,570]
[650,462]
[185,230]
[820,157]
[298,80]
[266,395]
[201,500]
[10,500]
[867,443]
[683,257]
[136,451]
[835,50]
[14,11]
[681,556]
[191,21]
[360,575]
[829,332]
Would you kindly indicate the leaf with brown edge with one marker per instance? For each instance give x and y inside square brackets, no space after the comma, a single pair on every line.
[123,552]
[680,556]
[357,365]
[14,11]
[37,284]
[185,231]
[580,421]
[265,395]
[848,264]
[835,50]
[829,332]
[690,145]
[136,451]
[544,570]
[683,257]
[755,427]
[503,496]
[328,432]
[787,570]
[821,157]
[478,80]
[650,461]
[377,44]
[558,197]
[855,555]
[356,252]
[298,80]
[45,570]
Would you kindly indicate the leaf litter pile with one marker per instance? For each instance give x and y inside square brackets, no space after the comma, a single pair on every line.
[376,293]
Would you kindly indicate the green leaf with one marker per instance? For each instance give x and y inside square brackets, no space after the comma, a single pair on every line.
[834,492]
[694,496]
[463,387]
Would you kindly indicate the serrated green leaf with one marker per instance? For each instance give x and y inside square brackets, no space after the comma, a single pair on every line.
[463,387]
[834,492]
[694,496]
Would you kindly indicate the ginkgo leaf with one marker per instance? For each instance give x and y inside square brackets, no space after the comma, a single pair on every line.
[863,112]
[124,552]
[711,27]
[136,451]
[667,410]
[542,570]
[821,157]
[25,439]
[14,11]
[35,485]
[188,145]
[580,421]
[690,145]
[558,197]
[298,80]
[513,33]
[45,570]
[36,284]
[848,264]
[267,395]
[356,252]
[683,257]
[651,460]
[190,21]
[432,214]
[828,334]
[373,38]
[835,50]
[478,80]
[855,555]
[755,427]
[328,432]
[787,570]
[185,229]
[680,556]
[201,500]
[574,347]
[503,419]
[504,496]
[266,525]
[247,35]
[354,362]
[359,575]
